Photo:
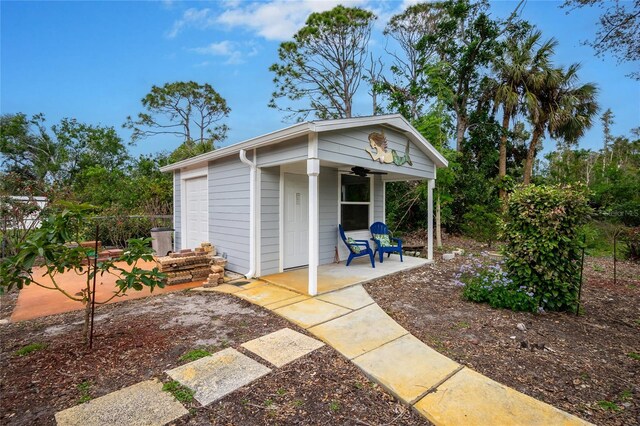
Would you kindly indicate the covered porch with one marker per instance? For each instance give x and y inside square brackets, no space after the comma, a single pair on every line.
[335,276]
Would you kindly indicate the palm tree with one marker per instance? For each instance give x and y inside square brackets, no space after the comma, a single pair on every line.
[524,57]
[560,105]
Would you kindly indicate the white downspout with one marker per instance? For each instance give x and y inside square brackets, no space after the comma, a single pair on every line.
[252,212]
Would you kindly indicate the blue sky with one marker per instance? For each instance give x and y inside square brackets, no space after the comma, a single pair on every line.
[94,61]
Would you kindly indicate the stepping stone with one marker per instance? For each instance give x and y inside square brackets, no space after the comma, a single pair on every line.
[215,376]
[286,302]
[355,297]
[311,312]
[144,403]
[469,398]
[406,367]
[282,346]
[266,294]
[222,288]
[448,256]
[359,332]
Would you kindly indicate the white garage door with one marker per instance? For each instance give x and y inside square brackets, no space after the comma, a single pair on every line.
[197,212]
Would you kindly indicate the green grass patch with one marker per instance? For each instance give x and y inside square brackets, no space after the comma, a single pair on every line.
[30,348]
[179,392]
[461,325]
[334,406]
[194,355]
[281,391]
[298,403]
[85,392]
[626,395]
[608,405]
[634,355]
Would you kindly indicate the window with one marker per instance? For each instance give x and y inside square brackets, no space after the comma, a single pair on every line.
[355,202]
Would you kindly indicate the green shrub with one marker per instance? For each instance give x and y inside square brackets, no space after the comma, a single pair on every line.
[543,247]
[481,224]
[489,283]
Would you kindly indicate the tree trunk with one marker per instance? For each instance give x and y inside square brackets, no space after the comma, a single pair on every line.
[461,127]
[438,227]
[531,153]
[502,162]
[87,319]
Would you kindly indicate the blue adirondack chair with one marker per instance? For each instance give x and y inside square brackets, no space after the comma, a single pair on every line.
[357,248]
[385,243]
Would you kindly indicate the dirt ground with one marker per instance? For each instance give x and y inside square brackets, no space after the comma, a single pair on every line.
[139,339]
[582,364]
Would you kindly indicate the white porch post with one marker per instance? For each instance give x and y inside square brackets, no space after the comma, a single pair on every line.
[431,183]
[313,170]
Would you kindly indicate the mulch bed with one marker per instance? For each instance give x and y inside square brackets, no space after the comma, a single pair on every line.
[580,364]
[139,339]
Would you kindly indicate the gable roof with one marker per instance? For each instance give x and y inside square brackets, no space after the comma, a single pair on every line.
[393,120]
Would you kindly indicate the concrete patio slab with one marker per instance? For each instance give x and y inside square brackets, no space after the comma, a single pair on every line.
[310,312]
[469,398]
[35,301]
[222,288]
[253,284]
[266,294]
[354,297]
[144,403]
[406,367]
[283,346]
[286,302]
[360,331]
[215,376]
[334,276]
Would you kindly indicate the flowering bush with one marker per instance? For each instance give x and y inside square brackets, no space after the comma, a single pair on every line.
[489,283]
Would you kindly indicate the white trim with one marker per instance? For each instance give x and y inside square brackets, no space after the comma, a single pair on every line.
[184,176]
[194,173]
[259,217]
[307,128]
[313,145]
[384,201]
[370,202]
[313,170]
[252,211]
[281,223]
[430,186]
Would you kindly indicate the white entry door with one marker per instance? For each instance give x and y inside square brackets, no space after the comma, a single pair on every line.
[296,221]
[197,212]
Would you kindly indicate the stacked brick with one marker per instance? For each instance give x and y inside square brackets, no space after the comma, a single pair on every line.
[103,255]
[188,265]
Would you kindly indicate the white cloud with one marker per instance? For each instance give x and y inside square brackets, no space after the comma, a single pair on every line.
[231,50]
[222,48]
[198,18]
[276,20]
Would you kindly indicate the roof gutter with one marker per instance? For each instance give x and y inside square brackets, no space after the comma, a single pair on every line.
[252,211]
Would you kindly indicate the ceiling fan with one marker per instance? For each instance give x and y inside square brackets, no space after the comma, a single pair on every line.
[362,172]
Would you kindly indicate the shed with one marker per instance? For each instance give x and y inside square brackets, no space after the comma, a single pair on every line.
[274,202]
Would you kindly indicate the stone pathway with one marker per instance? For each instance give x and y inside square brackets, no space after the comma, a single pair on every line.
[141,404]
[215,376]
[443,391]
[211,377]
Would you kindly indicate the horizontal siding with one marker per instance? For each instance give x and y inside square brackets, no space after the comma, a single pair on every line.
[284,152]
[328,214]
[270,220]
[348,147]
[229,211]
[177,211]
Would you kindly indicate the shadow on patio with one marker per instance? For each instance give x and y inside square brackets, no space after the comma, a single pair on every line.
[334,276]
